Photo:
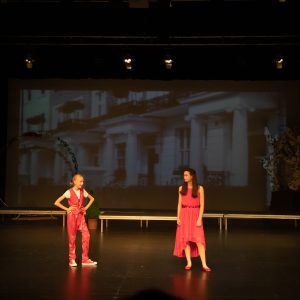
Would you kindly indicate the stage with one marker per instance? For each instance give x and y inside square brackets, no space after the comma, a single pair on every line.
[256,259]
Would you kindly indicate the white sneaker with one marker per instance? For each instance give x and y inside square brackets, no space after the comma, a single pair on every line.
[72,263]
[89,262]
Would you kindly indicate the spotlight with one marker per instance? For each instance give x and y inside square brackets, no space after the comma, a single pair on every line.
[128,63]
[29,62]
[168,63]
[279,63]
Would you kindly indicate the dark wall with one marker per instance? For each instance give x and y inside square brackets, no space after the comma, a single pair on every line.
[3,127]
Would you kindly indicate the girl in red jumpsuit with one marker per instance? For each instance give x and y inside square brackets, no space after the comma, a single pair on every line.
[76,220]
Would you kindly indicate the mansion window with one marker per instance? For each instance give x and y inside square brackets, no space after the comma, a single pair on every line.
[121,151]
[183,146]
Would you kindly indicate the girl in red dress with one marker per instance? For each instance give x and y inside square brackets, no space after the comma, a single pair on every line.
[76,220]
[190,238]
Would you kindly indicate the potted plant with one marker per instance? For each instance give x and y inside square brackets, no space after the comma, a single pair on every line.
[92,214]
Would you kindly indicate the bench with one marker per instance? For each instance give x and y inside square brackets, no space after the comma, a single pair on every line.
[33,212]
[258,216]
[147,216]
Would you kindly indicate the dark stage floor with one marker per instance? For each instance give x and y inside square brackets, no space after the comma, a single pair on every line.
[254,260]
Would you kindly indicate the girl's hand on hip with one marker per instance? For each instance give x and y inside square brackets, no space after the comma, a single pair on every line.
[71,208]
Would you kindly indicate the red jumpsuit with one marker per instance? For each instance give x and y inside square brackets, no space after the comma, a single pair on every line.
[76,222]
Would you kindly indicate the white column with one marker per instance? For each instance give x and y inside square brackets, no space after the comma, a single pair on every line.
[100,158]
[196,155]
[226,150]
[81,156]
[239,165]
[131,159]
[108,158]
[104,103]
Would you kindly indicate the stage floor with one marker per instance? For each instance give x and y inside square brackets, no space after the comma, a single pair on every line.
[254,260]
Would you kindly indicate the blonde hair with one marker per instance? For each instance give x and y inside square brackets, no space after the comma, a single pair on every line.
[74,177]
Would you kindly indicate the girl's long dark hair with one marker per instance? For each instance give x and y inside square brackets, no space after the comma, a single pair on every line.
[195,187]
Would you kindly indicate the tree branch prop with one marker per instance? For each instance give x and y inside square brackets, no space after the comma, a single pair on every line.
[33,135]
[71,153]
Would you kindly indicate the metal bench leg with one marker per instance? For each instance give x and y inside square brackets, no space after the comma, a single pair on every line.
[141,223]
[220,224]
[225,223]
[106,223]
[147,223]
[101,225]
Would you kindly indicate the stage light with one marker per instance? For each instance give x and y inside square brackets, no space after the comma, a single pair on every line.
[279,63]
[29,62]
[168,63]
[128,62]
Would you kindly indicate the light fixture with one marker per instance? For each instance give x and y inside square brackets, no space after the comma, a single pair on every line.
[168,63]
[279,63]
[128,62]
[29,62]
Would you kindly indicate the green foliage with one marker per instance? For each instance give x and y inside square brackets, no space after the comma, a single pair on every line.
[94,210]
[282,162]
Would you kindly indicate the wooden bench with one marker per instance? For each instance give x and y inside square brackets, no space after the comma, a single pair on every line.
[258,216]
[33,212]
[148,216]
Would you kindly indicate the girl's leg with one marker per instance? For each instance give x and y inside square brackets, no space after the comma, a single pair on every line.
[85,236]
[187,251]
[201,250]
[72,230]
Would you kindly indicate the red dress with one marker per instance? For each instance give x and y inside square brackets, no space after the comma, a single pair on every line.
[188,231]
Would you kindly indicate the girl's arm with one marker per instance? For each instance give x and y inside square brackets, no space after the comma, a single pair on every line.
[179,206]
[201,192]
[91,198]
[58,203]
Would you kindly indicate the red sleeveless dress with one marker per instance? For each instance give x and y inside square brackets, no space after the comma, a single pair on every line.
[188,231]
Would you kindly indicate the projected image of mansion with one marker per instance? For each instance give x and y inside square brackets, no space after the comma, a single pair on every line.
[144,138]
